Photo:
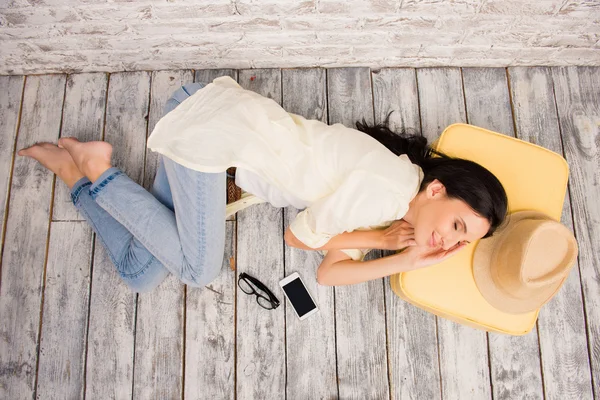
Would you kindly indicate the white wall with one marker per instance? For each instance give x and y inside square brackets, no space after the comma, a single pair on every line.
[41,36]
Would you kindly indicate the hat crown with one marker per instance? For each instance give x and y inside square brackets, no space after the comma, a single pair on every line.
[531,255]
[525,262]
[546,253]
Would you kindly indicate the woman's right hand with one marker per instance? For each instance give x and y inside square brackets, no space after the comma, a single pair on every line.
[399,235]
[423,256]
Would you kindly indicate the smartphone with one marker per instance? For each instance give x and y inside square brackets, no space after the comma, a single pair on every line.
[295,291]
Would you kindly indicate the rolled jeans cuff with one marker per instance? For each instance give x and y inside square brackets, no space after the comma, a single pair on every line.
[80,185]
[104,179]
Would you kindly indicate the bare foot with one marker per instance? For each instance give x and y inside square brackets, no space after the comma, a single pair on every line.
[92,158]
[56,160]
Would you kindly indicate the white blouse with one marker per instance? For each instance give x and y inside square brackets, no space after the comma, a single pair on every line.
[254,184]
[346,179]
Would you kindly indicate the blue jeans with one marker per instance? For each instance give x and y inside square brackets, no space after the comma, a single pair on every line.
[178,227]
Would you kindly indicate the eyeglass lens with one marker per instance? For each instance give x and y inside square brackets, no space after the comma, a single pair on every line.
[245,286]
[264,302]
[250,287]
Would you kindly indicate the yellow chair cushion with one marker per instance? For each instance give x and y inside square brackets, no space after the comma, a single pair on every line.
[534,179]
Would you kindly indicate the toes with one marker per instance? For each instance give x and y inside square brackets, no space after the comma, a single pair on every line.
[31,150]
[67,142]
[28,151]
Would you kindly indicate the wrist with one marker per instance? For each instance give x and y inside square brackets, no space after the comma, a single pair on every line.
[404,261]
[378,240]
[385,242]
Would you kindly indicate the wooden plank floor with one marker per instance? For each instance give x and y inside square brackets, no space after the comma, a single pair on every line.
[71,329]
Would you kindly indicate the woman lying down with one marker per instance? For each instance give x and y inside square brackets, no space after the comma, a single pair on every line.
[347,181]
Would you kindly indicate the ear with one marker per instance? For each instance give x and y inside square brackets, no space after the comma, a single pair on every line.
[435,189]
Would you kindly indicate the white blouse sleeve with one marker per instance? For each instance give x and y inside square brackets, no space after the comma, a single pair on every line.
[361,201]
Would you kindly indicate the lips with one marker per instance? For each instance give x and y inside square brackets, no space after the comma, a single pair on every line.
[433,242]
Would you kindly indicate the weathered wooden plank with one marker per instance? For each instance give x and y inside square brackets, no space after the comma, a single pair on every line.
[577,92]
[24,256]
[109,363]
[565,363]
[66,300]
[360,308]
[83,118]
[113,305]
[488,100]
[61,373]
[463,351]
[11,91]
[412,337]
[441,100]
[159,346]
[210,320]
[260,333]
[311,374]
[514,360]
[210,332]
[207,76]
[127,120]
[395,91]
[20,13]
[164,83]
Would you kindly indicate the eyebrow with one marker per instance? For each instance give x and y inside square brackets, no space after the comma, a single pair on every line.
[463,224]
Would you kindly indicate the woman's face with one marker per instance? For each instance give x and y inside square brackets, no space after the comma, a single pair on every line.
[443,222]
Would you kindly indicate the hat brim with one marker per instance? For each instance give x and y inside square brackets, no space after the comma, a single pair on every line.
[484,279]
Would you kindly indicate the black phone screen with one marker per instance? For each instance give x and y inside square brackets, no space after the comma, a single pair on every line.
[299,297]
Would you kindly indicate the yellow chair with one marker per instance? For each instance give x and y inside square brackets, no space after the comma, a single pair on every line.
[535,179]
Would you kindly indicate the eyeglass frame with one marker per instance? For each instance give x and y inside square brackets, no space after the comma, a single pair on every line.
[252,282]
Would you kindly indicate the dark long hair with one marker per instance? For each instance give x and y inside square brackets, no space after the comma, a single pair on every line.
[463,179]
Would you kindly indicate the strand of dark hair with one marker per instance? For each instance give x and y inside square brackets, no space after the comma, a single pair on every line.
[414,146]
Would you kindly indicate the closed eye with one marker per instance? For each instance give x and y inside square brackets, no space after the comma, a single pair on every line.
[464,228]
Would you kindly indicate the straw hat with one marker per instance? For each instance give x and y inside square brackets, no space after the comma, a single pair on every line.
[523,265]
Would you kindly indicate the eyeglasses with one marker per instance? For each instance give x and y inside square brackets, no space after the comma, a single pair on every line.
[251,285]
